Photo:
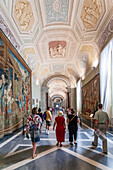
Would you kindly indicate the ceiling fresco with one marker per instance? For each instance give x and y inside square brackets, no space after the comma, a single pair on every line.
[57,49]
[57,10]
[91,13]
[60,40]
[23,14]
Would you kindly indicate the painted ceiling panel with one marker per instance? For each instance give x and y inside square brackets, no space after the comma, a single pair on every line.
[23,14]
[57,10]
[91,13]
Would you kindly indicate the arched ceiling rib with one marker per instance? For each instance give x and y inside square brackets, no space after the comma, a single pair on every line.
[63,78]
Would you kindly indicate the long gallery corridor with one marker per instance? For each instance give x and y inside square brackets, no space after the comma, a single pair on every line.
[16,152]
[56,54]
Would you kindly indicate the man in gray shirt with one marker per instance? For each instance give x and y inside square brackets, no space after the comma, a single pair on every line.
[101,122]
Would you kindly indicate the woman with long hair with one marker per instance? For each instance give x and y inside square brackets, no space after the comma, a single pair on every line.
[33,127]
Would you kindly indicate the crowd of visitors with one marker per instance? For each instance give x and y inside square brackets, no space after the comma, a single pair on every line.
[35,121]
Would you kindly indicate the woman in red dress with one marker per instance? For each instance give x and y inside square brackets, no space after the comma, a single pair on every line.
[60,128]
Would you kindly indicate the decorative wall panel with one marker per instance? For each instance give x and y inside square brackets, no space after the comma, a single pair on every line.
[90,96]
[15,87]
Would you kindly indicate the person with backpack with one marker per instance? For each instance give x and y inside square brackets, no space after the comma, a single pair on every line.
[33,127]
[44,115]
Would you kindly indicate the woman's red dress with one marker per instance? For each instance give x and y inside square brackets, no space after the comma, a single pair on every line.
[60,130]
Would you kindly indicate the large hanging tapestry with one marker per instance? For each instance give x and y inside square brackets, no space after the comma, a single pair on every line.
[15,87]
[90,97]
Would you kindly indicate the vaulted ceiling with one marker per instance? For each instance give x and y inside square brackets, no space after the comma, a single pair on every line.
[60,40]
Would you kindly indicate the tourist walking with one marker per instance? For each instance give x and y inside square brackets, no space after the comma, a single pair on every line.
[33,127]
[41,115]
[60,128]
[101,122]
[72,121]
[48,120]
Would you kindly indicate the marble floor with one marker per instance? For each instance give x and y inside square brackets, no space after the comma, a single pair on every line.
[16,152]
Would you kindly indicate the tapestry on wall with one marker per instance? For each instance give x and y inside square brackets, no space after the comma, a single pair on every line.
[15,85]
[90,96]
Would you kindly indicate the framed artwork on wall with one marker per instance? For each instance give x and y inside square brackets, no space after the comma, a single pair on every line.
[90,96]
[15,84]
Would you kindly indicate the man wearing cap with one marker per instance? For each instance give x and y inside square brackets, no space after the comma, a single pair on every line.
[101,122]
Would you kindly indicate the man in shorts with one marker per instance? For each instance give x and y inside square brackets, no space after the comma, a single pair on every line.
[48,120]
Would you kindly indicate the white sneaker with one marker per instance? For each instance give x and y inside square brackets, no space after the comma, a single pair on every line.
[48,132]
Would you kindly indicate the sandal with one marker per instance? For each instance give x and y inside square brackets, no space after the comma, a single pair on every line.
[34,156]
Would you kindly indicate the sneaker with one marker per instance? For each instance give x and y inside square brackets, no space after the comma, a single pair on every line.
[48,132]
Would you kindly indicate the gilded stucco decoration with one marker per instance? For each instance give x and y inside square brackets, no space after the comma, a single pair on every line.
[57,49]
[24,15]
[44,71]
[90,49]
[57,10]
[91,13]
[106,35]
[71,71]
[27,51]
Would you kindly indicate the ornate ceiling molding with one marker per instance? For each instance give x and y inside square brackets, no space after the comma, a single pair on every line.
[106,35]
[4,27]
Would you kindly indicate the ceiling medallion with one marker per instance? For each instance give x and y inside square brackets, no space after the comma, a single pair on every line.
[57,49]
[57,5]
